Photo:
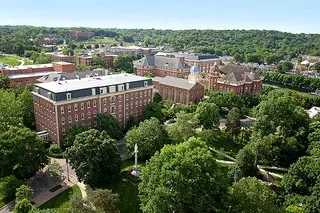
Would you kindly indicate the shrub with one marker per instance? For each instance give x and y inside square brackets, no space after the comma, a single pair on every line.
[8,186]
[55,151]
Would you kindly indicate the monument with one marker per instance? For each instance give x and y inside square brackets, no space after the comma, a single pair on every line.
[135,171]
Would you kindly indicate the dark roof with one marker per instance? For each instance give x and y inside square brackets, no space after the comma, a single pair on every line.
[235,74]
[161,61]
[175,82]
[68,76]
[234,68]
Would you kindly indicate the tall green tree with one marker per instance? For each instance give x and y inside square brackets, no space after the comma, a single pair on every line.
[22,152]
[4,82]
[26,100]
[208,115]
[183,178]
[251,195]
[150,136]
[233,121]
[10,111]
[110,125]
[72,133]
[8,186]
[153,110]
[82,68]
[123,63]
[24,206]
[98,62]
[183,128]
[24,192]
[94,157]
[104,200]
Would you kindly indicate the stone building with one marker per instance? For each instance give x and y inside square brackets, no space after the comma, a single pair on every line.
[58,105]
[179,90]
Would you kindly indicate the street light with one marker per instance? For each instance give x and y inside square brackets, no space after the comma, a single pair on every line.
[67,169]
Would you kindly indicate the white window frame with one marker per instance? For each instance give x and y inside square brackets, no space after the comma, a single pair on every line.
[82,116]
[88,104]
[82,105]
[76,118]
[70,119]
[68,96]
[94,103]
[145,83]
[69,108]
[62,109]
[63,121]
[75,107]
[112,89]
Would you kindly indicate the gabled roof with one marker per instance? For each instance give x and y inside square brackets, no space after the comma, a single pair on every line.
[234,68]
[58,76]
[175,82]
[235,74]
[161,61]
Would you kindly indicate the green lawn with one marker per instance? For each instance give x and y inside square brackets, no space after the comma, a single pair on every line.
[228,147]
[13,60]
[286,89]
[2,203]
[128,164]
[61,202]
[103,40]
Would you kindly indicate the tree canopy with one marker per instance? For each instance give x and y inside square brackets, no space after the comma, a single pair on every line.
[94,157]
[110,125]
[183,178]
[150,136]
[208,115]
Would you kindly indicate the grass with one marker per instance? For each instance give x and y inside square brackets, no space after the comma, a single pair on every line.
[103,40]
[2,203]
[128,164]
[13,60]
[286,89]
[61,202]
[228,147]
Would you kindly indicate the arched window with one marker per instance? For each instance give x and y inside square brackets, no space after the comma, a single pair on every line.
[63,131]
[94,103]
[75,107]
[104,101]
[112,109]
[69,108]
[82,116]
[76,117]
[89,115]
[82,105]
[63,121]
[105,110]
[70,119]
[62,110]
[89,124]
[113,99]
[88,104]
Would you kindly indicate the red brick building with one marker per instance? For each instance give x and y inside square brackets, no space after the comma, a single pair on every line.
[77,34]
[86,60]
[59,57]
[62,104]
[29,74]
[162,66]
[179,90]
[235,78]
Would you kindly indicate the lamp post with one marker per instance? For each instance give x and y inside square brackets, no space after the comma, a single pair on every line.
[67,169]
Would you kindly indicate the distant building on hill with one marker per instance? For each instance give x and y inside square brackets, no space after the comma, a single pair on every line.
[30,73]
[60,57]
[77,34]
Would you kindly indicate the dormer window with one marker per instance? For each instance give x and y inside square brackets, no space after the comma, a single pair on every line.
[145,83]
[68,96]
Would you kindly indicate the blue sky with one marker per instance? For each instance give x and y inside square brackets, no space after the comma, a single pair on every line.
[284,15]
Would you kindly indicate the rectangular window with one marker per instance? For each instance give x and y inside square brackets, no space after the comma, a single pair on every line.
[68,96]
[112,89]
[93,91]
[127,86]
[120,88]
[49,95]
[145,83]
[103,90]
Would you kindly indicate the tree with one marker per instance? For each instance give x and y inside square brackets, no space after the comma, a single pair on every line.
[67,51]
[233,121]
[131,122]
[110,125]
[24,192]
[96,46]
[72,133]
[95,157]
[82,68]
[10,111]
[22,152]
[150,136]
[284,66]
[4,82]
[41,58]
[26,100]
[302,185]
[294,209]
[317,66]
[246,164]
[208,115]
[104,200]
[8,186]
[225,101]
[251,195]
[23,206]
[98,62]
[79,205]
[153,110]
[157,97]
[183,178]
[55,170]
[123,63]
[183,128]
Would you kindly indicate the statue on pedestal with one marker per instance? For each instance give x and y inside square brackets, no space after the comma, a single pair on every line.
[135,171]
